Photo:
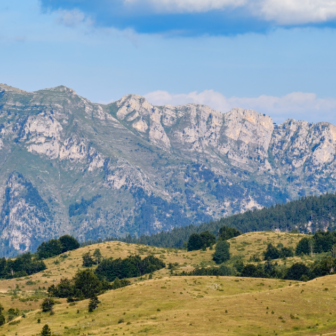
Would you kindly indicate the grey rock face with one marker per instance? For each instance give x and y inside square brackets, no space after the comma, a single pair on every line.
[130,167]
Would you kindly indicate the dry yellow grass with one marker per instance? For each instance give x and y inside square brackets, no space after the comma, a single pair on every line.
[169,305]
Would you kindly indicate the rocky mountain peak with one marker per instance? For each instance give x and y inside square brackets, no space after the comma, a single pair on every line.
[134,168]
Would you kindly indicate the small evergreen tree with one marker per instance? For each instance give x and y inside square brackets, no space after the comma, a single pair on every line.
[303,246]
[195,242]
[47,305]
[97,256]
[88,261]
[46,331]
[271,252]
[222,252]
[208,238]
[93,303]
[2,318]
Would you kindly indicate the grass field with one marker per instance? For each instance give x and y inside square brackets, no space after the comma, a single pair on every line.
[169,305]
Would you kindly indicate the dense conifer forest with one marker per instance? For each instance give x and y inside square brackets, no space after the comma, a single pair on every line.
[295,215]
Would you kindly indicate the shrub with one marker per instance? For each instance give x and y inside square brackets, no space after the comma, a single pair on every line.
[222,252]
[68,243]
[195,242]
[47,305]
[46,331]
[93,303]
[296,271]
[88,260]
[303,246]
[271,252]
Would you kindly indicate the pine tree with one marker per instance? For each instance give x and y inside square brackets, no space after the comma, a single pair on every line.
[222,252]
[93,303]
[47,305]
[46,331]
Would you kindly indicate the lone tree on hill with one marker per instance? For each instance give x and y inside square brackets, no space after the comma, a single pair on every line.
[222,252]
[47,305]
[2,318]
[46,331]
[93,303]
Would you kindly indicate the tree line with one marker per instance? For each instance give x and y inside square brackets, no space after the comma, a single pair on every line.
[320,211]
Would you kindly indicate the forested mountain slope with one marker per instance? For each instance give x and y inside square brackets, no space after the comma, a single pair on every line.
[307,214]
[68,165]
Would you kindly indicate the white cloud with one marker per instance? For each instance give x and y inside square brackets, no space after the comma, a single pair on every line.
[284,12]
[187,6]
[297,105]
[297,11]
[72,18]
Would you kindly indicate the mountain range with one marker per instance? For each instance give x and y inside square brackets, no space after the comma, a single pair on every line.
[68,165]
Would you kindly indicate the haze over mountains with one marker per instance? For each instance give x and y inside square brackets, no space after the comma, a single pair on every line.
[68,165]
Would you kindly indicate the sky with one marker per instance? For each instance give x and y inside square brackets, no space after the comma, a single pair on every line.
[277,57]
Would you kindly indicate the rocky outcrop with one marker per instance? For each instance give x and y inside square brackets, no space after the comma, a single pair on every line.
[147,168]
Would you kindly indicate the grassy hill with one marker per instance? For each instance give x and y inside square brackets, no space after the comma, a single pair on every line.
[170,305]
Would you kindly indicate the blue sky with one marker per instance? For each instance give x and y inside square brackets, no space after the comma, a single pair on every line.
[274,56]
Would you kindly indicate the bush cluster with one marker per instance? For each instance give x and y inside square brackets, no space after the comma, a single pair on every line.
[56,247]
[133,266]
[318,243]
[23,265]
[273,253]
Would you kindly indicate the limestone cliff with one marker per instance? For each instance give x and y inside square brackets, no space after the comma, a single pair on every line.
[131,167]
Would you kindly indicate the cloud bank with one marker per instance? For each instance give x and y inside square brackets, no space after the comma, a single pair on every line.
[197,17]
[295,105]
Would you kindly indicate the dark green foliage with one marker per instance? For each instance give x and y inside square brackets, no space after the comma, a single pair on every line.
[323,241]
[55,247]
[47,305]
[222,252]
[69,243]
[227,232]
[49,249]
[86,284]
[23,265]
[93,303]
[195,242]
[2,318]
[286,217]
[208,238]
[286,252]
[64,289]
[46,331]
[79,208]
[120,283]
[88,261]
[97,256]
[251,270]
[130,267]
[318,243]
[272,252]
[303,246]
[216,271]
[296,271]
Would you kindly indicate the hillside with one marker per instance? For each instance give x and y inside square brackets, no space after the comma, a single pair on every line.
[174,305]
[307,214]
[68,165]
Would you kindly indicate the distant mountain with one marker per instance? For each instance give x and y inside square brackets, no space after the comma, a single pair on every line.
[71,166]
